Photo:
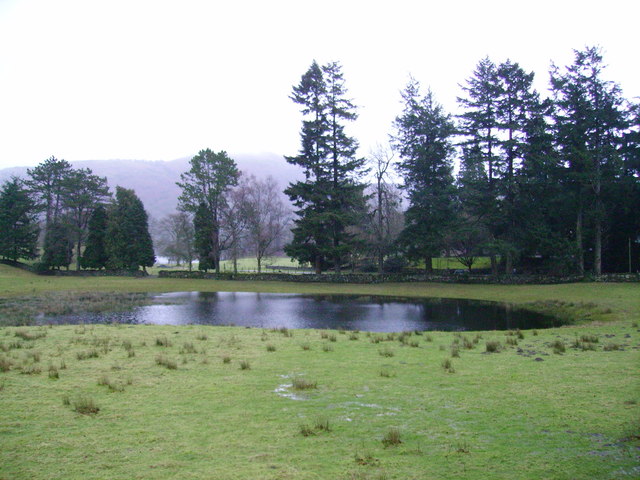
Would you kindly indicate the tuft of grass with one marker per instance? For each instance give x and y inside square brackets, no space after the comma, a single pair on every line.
[226,359]
[324,335]
[610,347]
[493,346]
[5,364]
[327,347]
[386,352]
[299,383]
[187,347]
[455,351]
[66,401]
[467,344]
[202,337]
[306,430]
[305,346]
[333,338]
[29,336]
[163,342]
[353,336]
[166,362]
[558,347]
[447,365]
[386,373]
[392,437]
[86,354]
[31,370]
[512,341]
[85,406]
[271,347]
[321,424]
[414,344]
[428,338]
[245,365]
[53,372]
[589,338]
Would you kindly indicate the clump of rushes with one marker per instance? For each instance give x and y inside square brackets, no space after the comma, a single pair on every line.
[163,342]
[455,351]
[558,347]
[187,347]
[386,352]
[306,430]
[245,365]
[5,364]
[512,341]
[31,370]
[53,372]
[610,347]
[226,359]
[85,406]
[327,348]
[353,336]
[166,362]
[27,335]
[324,335]
[333,338]
[447,365]
[386,373]
[305,346]
[303,384]
[322,424]
[202,337]
[271,347]
[589,338]
[84,355]
[391,437]
[467,344]
[493,346]
[428,338]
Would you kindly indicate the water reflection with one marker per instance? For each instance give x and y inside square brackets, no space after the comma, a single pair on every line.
[351,312]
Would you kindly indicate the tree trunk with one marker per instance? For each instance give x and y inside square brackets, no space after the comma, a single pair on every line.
[318,265]
[494,264]
[428,267]
[579,247]
[259,259]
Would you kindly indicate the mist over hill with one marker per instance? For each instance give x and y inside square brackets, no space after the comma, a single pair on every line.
[155,181]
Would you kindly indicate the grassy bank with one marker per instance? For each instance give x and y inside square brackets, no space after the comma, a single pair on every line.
[156,402]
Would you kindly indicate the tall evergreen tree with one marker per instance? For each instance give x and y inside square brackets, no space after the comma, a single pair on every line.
[330,197]
[424,142]
[589,122]
[18,222]
[95,253]
[206,185]
[129,244]
[203,237]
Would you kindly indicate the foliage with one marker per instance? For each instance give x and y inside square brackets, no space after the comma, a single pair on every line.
[204,193]
[18,226]
[128,241]
[423,140]
[58,247]
[95,253]
[330,199]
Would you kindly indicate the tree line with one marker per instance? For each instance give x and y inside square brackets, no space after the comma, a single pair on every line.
[543,184]
[74,213]
[546,184]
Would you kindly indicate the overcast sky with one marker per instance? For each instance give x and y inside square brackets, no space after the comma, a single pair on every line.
[159,80]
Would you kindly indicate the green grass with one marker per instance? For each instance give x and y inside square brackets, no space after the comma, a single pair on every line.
[510,414]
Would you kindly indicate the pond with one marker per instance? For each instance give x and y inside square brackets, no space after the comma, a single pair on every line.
[349,312]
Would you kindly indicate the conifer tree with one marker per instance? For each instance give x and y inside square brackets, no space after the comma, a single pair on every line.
[58,246]
[128,242]
[424,142]
[18,222]
[330,198]
[95,253]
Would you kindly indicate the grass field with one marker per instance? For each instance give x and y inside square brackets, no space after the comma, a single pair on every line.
[196,402]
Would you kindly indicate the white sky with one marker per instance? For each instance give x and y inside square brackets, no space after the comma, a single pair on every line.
[159,80]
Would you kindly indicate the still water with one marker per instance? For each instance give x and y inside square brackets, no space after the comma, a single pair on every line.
[350,312]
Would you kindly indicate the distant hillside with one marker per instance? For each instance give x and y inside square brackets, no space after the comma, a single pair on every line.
[155,181]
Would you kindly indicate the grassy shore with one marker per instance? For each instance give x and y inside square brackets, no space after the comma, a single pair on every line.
[160,402]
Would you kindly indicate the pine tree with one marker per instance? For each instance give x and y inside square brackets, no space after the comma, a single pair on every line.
[95,253]
[330,197]
[18,222]
[128,242]
[47,183]
[424,142]
[203,228]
